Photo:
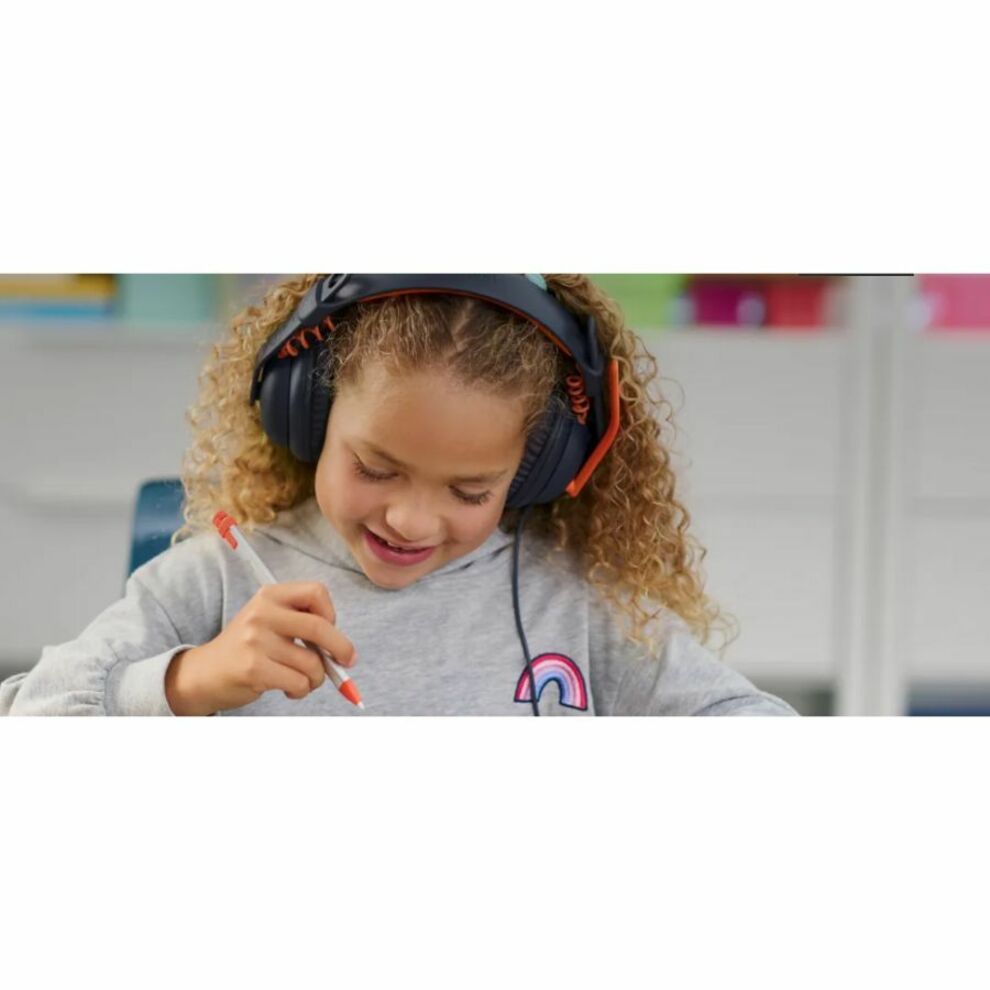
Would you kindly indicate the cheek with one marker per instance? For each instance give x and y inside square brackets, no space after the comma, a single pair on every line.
[472,526]
[341,494]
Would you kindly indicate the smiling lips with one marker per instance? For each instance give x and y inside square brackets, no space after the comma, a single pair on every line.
[397,546]
[384,551]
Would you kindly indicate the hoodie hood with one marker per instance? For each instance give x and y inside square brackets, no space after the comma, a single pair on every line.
[306,529]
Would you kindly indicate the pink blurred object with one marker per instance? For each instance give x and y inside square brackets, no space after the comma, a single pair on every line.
[728,303]
[956,302]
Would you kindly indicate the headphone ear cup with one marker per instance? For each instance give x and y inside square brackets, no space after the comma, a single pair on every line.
[273,400]
[295,405]
[303,391]
[320,401]
[554,455]
[519,490]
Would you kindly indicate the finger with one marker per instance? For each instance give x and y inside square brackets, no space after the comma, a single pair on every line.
[306,596]
[307,662]
[279,677]
[313,629]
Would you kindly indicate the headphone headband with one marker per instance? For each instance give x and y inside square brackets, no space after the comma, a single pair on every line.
[516,293]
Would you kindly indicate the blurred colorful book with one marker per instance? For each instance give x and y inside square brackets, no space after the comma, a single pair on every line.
[797,303]
[53,296]
[727,301]
[956,302]
[168,298]
[779,302]
[648,302]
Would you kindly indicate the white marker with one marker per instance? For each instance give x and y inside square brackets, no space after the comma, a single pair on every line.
[227,527]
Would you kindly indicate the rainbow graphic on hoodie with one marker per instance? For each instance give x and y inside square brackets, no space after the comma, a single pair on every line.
[555,667]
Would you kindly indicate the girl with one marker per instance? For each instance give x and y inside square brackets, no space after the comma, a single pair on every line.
[385,441]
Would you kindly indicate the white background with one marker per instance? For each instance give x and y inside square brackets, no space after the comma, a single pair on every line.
[763,137]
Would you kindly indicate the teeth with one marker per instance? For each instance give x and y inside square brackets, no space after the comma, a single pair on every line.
[394,547]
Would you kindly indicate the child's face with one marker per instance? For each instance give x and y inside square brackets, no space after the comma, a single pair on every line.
[441,433]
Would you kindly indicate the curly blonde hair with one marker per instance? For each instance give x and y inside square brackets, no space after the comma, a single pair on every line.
[626,528]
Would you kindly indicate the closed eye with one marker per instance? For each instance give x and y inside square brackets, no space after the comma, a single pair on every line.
[369,475]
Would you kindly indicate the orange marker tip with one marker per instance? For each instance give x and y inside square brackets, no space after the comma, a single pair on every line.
[351,693]
[223,523]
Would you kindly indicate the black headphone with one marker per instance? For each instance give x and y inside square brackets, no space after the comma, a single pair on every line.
[563,450]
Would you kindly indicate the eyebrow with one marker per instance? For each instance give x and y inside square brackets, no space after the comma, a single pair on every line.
[469,478]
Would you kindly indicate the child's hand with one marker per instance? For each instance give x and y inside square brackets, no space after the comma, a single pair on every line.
[256,652]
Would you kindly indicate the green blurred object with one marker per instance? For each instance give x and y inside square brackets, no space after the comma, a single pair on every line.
[170,298]
[649,302]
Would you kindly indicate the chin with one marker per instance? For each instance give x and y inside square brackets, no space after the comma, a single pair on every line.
[391,582]
[380,574]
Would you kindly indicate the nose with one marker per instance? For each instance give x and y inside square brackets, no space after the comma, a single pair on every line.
[411,521]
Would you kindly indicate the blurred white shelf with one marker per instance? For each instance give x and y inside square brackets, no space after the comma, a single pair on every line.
[97,410]
[804,457]
[717,330]
[756,453]
[91,332]
[86,492]
[979,336]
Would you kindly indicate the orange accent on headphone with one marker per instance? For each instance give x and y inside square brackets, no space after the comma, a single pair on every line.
[301,338]
[288,348]
[580,403]
[610,434]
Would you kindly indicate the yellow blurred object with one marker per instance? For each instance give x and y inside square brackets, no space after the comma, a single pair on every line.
[82,287]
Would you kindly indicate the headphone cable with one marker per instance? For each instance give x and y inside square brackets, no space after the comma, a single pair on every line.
[515,603]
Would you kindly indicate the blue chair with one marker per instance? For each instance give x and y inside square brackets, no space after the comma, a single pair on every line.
[157,515]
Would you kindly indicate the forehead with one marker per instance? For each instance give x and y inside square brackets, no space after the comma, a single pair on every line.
[430,422]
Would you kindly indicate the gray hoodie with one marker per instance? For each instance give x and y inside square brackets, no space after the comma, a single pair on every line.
[445,645]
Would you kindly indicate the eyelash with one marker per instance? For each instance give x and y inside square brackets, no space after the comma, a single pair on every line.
[469,499]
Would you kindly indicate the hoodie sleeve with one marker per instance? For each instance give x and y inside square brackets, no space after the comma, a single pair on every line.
[680,678]
[117,665]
